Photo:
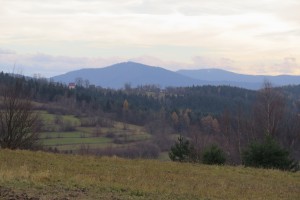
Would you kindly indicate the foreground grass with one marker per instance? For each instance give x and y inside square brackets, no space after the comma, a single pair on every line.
[51,176]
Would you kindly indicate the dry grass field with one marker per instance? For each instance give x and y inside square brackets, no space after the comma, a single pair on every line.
[39,175]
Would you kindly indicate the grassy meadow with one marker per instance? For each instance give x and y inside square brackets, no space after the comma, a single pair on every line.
[40,175]
[72,140]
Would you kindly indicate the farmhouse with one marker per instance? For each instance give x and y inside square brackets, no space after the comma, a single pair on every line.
[71,85]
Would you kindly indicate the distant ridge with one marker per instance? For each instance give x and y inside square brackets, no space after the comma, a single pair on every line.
[115,76]
[136,74]
[249,81]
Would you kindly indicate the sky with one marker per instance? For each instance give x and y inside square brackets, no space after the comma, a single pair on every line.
[51,37]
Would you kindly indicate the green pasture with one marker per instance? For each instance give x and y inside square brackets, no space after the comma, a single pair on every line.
[46,117]
[58,135]
[73,140]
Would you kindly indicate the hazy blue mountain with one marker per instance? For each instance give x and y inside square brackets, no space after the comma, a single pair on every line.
[240,80]
[115,76]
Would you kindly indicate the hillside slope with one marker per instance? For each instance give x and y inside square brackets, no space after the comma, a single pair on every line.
[25,175]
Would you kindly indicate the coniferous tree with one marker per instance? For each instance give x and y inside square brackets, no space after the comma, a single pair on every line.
[182,151]
[268,154]
[214,156]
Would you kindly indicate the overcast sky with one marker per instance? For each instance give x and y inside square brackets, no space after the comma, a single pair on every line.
[51,37]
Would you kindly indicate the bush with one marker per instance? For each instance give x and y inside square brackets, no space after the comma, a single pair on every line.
[67,126]
[148,150]
[268,154]
[213,155]
[182,151]
[110,135]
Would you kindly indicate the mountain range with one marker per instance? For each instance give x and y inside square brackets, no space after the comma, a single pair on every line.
[136,74]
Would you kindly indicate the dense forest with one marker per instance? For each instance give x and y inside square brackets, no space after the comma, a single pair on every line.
[228,117]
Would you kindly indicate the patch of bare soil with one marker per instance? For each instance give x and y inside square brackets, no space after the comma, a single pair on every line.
[11,194]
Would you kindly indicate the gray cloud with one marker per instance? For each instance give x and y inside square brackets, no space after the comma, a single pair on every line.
[233,34]
[281,35]
[288,65]
[6,51]
[47,65]
[197,62]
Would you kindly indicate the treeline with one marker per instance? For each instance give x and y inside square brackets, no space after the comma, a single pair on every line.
[143,101]
[270,133]
[228,117]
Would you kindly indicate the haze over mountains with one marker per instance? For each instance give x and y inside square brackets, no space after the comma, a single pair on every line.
[115,76]
[241,80]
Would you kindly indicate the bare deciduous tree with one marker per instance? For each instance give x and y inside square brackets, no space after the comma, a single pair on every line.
[269,109]
[18,121]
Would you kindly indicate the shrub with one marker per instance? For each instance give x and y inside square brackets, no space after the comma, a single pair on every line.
[182,151]
[214,155]
[148,150]
[110,135]
[268,154]
[67,126]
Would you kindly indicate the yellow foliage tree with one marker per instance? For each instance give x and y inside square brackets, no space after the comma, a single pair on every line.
[125,105]
[175,118]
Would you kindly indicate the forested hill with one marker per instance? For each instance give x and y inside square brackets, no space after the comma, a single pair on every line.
[201,99]
[228,116]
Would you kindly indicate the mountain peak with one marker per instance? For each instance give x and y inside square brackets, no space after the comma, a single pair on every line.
[115,76]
